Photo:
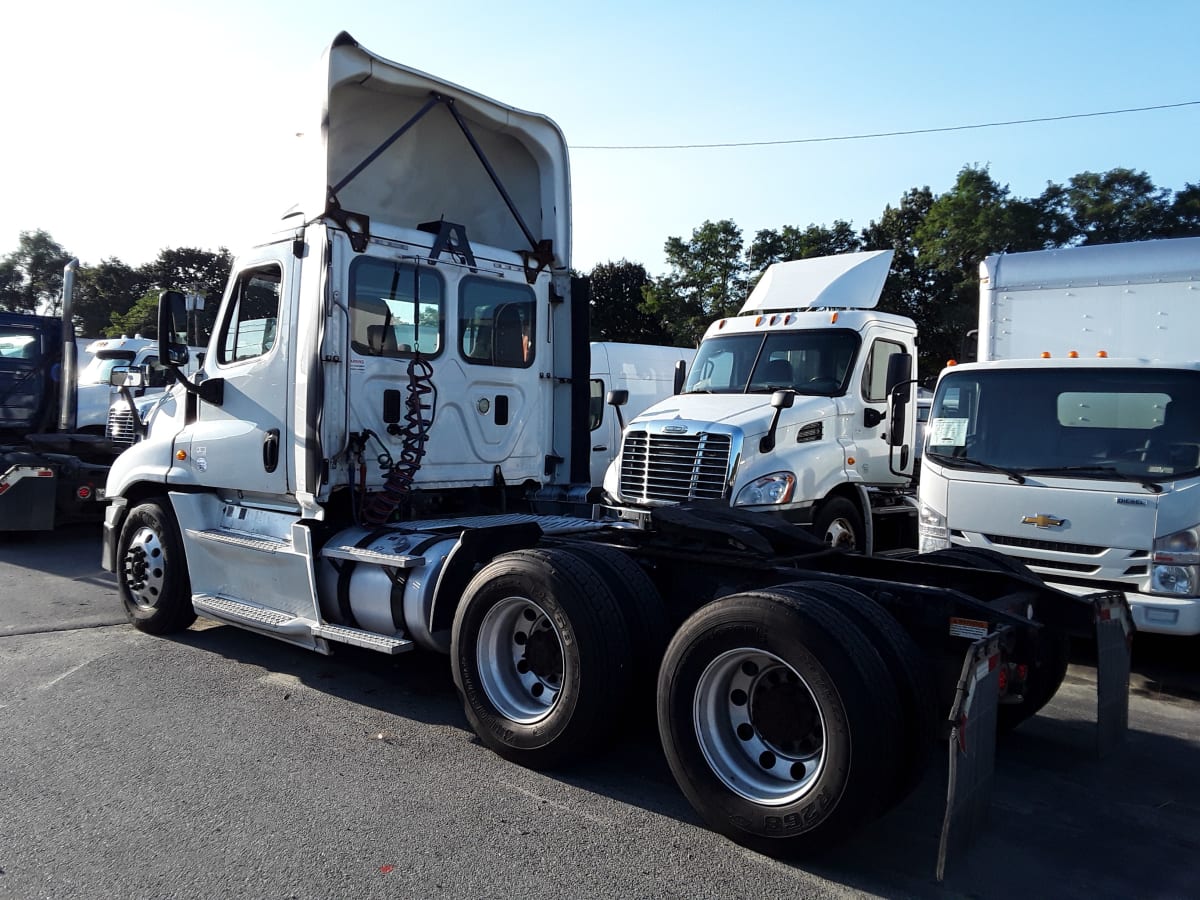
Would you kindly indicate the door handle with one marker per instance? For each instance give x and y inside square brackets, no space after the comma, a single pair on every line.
[271,450]
[599,447]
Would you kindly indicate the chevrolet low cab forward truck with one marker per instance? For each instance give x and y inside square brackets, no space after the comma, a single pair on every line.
[1073,445]
[384,446]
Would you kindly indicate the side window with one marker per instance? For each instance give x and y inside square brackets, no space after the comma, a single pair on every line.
[595,404]
[156,375]
[875,374]
[496,324]
[395,309]
[249,328]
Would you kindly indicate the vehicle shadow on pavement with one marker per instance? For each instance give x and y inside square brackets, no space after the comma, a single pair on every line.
[1061,821]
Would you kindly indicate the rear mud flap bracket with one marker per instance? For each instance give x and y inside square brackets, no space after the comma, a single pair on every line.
[1114,649]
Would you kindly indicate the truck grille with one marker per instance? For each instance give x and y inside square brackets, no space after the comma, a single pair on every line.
[674,468]
[120,429]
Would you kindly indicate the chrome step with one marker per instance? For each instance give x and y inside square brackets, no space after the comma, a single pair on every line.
[359,554]
[359,638]
[250,614]
[240,539]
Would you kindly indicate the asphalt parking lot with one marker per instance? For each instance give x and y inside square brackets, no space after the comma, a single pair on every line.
[219,763]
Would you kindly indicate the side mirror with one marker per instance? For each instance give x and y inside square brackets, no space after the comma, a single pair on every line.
[172,323]
[899,370]
[680,375]
[780,400]
[616,399]
[125,376]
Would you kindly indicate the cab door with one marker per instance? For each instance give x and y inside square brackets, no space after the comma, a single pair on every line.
[872,450]
[239,443]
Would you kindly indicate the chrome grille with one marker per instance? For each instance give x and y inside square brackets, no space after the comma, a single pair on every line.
[119,428]
[675,467]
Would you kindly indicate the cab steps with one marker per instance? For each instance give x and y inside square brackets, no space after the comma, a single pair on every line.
[291,627]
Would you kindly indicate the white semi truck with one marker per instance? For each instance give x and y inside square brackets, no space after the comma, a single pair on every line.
[791,407]
[390,421]
[1073,444]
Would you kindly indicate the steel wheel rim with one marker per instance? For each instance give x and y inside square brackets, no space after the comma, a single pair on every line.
[521,660]
[772,761]
[838,533]
[144,567]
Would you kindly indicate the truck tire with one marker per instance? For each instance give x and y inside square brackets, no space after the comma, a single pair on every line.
[778,720]
[1054,649]
[540,656]
[840,525]
[152,574]
[909,671]
[643,610]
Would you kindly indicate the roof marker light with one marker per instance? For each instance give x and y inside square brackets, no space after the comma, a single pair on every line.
[1045,354]
[951,362]
[833,318]
[720,325]
[1074,354]
[1102,354]
[758,320]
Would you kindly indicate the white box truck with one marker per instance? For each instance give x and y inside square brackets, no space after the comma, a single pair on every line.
[381,446]
[791,407]
[1073,444]
[646,373]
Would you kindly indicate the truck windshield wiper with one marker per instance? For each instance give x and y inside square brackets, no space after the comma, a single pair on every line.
[1111,471]
[967,462]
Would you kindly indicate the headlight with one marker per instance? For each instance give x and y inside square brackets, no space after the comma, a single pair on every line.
[932,533]
[770,490]
[1176,569]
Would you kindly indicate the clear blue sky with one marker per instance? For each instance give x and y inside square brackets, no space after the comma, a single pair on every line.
[132,126]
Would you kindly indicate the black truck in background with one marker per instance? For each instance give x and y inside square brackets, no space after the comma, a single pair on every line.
[49,475]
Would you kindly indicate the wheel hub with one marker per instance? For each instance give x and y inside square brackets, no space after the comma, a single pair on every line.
[144,568]
[521,662]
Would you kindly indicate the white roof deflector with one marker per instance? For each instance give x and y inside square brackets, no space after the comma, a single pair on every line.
[845,281]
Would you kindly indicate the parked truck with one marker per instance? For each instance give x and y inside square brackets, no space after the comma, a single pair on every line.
[50,473]
[785,410]
[383,442]
[1073,445]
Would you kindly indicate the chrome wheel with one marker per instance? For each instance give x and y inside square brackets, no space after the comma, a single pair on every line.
[144,567]
[840,534]
[759,727]
[521,660]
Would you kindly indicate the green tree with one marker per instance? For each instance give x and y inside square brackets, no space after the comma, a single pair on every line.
[141,318]
[1185,211]
[707,281]
[31,277]
[617,305]
[771,246]
[192,270]
[103,291]
[1118,205]
[915,288]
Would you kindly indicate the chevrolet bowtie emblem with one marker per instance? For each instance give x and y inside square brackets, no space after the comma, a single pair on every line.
[1041,520]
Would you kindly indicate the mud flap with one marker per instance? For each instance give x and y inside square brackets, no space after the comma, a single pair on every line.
[972,749]
[1114,650]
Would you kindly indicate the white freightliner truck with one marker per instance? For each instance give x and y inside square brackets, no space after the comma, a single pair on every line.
[380,447]
[819,453]
[1073,444]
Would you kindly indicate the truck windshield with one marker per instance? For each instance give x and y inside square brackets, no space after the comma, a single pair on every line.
[1130,424]
[808,362]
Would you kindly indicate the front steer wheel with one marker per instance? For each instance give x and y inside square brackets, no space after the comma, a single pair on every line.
[152,570]
[541,657]
[779,721]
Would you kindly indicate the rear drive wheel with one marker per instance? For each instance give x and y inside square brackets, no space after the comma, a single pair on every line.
[541,657]
[907,667]
[778,720]
[840,525]
[152,574]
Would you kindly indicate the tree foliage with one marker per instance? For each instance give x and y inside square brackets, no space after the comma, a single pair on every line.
[31,277]
[617,305]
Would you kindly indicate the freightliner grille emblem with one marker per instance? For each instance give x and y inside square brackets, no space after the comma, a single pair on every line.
[1041,520]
